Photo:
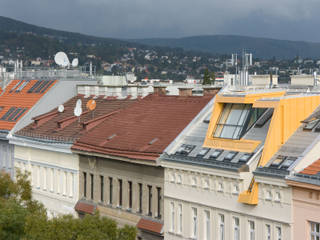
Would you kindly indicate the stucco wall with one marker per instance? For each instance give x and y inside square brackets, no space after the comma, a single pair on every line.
[54,177]
[306,208]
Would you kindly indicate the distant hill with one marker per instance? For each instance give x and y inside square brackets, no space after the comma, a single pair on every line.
[15,26]
[227,44]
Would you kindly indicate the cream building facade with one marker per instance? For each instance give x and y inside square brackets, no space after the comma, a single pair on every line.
[222,192]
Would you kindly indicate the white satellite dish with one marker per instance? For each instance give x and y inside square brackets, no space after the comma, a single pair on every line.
[75,62]
[61,108]
[62,59]
[78,109]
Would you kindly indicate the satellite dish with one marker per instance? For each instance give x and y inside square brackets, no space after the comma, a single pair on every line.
[61,108]
[91,104]
[75,62]
[62,59]
[78,109]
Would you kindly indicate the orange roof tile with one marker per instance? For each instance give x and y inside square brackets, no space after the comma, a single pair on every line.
[85,207]
[150,226]
[312,169]
[16,95]
[143,130]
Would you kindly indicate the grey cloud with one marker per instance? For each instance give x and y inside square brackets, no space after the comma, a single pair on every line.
[293,19]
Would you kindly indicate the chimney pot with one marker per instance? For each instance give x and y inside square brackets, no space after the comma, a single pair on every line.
[210,91]
[159,90]
[185,91]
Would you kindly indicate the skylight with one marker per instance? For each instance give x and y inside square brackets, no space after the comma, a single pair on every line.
[277,161]
[203,152]
[216,154]
[185,149]
[287,163]
[310,125]
[245,157]
[230,156]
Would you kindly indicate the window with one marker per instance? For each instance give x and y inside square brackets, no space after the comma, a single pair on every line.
[130,194]
[110,190]
[172,217]
[179,179]
[216,154]
[315,231]
[206,183]
[236,228]
[268,195]
[194,181]
[230,156]
[150,200]
[194,223]
[91,176]
[251,230]
[268,232]
[278,233]
[203,152]
[235,188]
[180,218]
[220,187]
[85,184]
[232,120]
[159,202]
[172,177]
[120,192]
[277,197]
[245,157]
[236,119]
[101,188]
[140,198]
[221,226]
[185,149]
[207,225]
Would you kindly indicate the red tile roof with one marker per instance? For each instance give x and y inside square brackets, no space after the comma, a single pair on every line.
[64,126]
[312,169]
[20,99]
[85,207]
[150,226]
[143,130]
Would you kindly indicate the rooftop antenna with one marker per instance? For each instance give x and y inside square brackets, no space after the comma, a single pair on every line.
[62,59]
[75,62]
[91,106]
[78,109]
[61,108]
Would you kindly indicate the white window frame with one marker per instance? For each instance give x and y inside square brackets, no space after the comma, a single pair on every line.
[235,188]
[172,177]
[268,232]
[221,227]
[180,218]
[207,224]
[236,228]
[252,230]
[206,183]
[193,181]
[220,187]
[314,232]
[179,179]
[278,233]
[194,223]
[268,195]
[172,217]
[277,197]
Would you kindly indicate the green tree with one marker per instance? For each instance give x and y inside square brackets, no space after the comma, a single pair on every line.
[212,78]
[206,78]
[22,218]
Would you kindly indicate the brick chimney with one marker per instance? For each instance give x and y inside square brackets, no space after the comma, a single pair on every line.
[210,90]
[159,90]
[185,91]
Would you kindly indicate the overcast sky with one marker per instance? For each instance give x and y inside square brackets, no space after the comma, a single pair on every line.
[280,19]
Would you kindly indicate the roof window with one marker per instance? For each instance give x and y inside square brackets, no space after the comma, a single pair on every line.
[216,154]
[185,149]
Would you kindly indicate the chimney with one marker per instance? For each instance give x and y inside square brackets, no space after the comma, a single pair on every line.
[210,91]
[159,90]
[143,91]
[185,91]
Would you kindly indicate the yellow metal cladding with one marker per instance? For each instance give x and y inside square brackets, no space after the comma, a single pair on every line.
[287,117]
[285,121]
[241,145]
